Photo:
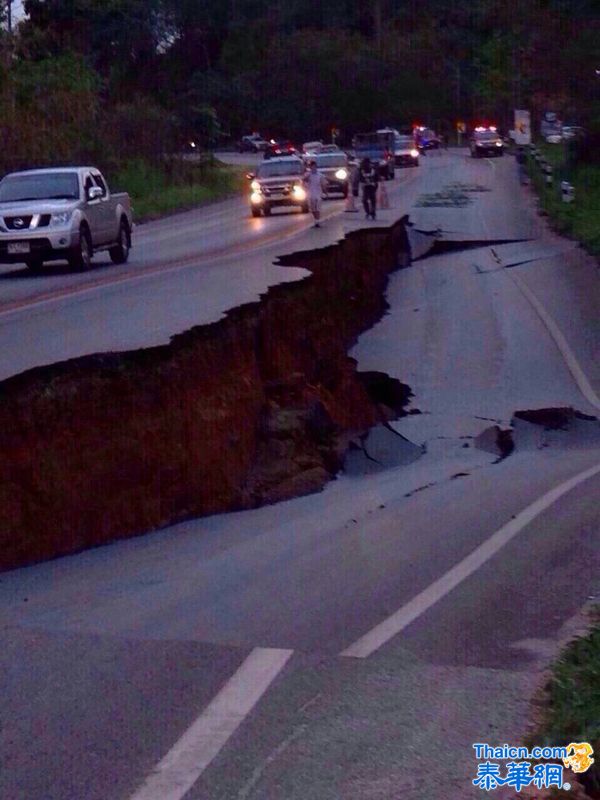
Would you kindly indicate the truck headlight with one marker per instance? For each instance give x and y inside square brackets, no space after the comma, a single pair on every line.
[255,186]
[414,153]
[299,193]
[62,218]
[255,198]
[341,174]
[498,144]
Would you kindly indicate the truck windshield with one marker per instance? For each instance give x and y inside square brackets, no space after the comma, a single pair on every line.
[279,168]
[41,186]
[333,160]
[486,136]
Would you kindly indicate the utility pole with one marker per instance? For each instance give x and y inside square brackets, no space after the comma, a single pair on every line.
[9,15]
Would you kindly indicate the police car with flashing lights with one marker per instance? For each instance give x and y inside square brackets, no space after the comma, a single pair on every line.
[485,141]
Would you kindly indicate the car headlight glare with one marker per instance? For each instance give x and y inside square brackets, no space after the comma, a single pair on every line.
[341,174]
[299,193]
[255,198]
[414,153]
[255,186]
[62,218]
[498,144]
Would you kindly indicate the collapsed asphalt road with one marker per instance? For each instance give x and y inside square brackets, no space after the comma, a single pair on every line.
[352,643]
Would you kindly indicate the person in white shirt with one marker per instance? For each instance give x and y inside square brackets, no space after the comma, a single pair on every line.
[315,184]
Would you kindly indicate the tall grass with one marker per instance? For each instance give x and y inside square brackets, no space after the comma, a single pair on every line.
[581,218]
[158,190]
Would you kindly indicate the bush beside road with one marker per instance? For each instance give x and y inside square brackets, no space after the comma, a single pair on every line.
[181,185]
[578,219]
[572,712]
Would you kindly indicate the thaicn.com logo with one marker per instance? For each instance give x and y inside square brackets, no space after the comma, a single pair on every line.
[520,771]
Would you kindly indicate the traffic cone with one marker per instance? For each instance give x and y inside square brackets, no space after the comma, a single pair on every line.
[384,201]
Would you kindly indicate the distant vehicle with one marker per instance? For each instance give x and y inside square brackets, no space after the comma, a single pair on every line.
[379,148]
[330,148]
[310,149]
[278,149]
[426,138]
[254,143]
[485,141]
[334,168]
[406,153]
[572,132]
[67,213]
[278,182]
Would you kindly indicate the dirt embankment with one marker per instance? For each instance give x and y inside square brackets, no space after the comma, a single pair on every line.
[252,409]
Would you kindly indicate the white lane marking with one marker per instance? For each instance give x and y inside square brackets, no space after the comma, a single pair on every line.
[179,770]
[402,618]
[568,355]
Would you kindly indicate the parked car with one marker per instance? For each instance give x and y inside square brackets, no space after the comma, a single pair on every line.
[485,141]
[278,182]
[254,143]
[334,168]
[65,213]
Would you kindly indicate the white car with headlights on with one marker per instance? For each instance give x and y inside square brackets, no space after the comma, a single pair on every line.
[334,168]
[62,213]
[278,182]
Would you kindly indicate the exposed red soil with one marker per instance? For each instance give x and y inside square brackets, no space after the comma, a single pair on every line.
[254,408]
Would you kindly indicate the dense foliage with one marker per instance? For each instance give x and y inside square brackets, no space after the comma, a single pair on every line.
[117,78]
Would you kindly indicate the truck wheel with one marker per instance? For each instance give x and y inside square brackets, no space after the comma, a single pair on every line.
[120,252]
[304,208]
[80,257]
[34,264]
[345,193]
[267,211]
[255,212]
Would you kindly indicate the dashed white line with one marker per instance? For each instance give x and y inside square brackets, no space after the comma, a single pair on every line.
[179,770]
[402,618]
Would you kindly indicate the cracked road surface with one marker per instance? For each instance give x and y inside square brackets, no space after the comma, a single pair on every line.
[205,661]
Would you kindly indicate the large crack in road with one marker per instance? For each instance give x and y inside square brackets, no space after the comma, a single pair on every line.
[255,408]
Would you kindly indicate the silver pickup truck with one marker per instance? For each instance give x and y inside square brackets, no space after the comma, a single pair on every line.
[64,213]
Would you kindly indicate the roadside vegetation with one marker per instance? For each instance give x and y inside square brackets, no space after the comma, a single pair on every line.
[178,186]
[572,712]
[578,219]
[125,84]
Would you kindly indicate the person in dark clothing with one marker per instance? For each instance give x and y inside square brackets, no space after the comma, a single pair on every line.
[369,177]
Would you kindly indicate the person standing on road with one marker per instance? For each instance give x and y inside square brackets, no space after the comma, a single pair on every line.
[369,177]
[314,186]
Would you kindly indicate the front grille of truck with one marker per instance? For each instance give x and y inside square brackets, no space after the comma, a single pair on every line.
[282,189]
[18,223]
[23,223]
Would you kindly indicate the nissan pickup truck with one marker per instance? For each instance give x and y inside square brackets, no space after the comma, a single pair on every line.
[62,213]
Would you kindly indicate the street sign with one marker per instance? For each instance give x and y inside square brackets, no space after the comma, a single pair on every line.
[461,127]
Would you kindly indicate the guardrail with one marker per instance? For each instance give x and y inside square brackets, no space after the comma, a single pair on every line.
[567,190]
